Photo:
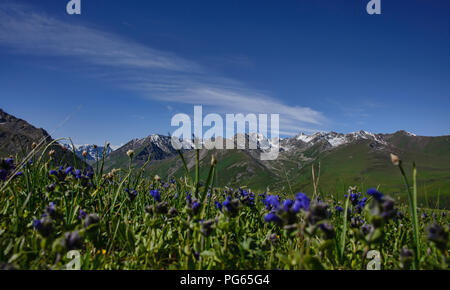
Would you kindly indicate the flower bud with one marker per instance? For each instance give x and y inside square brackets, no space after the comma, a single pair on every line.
[395,160]
[130,153]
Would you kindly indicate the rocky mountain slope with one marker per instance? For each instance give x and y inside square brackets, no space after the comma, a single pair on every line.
[17,137]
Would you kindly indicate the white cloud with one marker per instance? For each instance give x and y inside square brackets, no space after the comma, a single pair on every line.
[155,74]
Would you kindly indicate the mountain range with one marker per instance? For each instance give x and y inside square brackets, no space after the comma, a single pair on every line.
[94,152]
[358,158]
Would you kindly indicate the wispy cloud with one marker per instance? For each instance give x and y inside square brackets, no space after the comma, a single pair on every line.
[155,74]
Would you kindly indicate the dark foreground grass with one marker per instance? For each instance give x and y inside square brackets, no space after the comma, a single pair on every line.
[119,220]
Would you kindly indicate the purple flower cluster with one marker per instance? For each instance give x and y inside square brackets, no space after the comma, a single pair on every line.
[285,212]
[132,194]
[7,167]
[84,176]
[155,194]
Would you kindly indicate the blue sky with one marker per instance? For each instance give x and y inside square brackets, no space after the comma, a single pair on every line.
[122,69]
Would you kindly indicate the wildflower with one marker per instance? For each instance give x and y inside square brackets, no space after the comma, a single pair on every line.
[356,222]
[248,198]
[72,241]
[188,197]
[218,205]
[131,194]
[130,153]
[91,219]
[406,257]
[69,170]
[367,229]
[149,209]
[44,226]
[287,204]
[84,153]
[272,202]
[78,174]
[399,216]
[388,210]
[272,217]
[362,202]
[273,238]
[354,198]
[301,202]
[7,167]
[157,178]
[377,195]
[231,206]
[395,160]
[161,208]
[424,215]
[196,206]
[207,227]
[155,194]
[51,210]
[51,187]
[173,212]
[196,254]
[437,234]
[3,174]
[339,208]
[318,212]
[328,230]
[81,214]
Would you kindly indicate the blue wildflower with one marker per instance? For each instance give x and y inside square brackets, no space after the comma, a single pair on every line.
[81,214]
[287,204]
[3,174]
[78,174]
[373,192]
[272,217]
[188,197]
[272,202]
[132,194]
[302,201]
[155,194]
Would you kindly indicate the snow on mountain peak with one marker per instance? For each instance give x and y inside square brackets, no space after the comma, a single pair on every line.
[338,139]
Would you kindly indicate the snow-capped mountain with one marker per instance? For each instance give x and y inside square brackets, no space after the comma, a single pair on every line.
[331,139]
[92,151]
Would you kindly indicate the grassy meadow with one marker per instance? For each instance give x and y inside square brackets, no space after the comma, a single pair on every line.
[121,219]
